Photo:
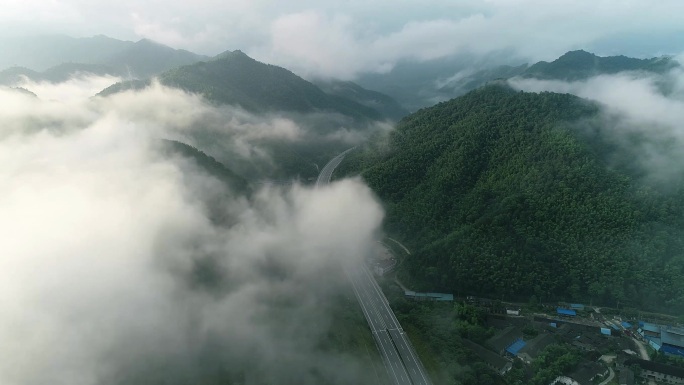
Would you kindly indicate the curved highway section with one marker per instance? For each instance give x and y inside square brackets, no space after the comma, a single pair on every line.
[400,359]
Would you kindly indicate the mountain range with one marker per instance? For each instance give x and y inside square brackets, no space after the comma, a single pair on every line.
[419,85]
[571,66]
[236,79]
[496,191]
[233,78]
[47,57]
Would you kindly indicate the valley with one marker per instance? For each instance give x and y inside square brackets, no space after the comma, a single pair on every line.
[309,197]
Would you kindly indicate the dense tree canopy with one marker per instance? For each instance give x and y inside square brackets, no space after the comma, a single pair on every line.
[500,193]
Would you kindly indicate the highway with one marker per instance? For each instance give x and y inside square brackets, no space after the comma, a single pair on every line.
[401,361]
[326,173]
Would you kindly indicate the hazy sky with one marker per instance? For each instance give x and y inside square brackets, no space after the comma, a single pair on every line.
[343,38]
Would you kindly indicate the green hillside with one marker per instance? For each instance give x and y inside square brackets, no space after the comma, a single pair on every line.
[235,78]
[499,193]
[58,58]
[208,164]
[376,100]
[577,65]
[571,66]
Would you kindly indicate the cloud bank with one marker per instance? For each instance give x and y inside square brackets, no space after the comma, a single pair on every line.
[343,39]
[228,133]
[641,112]
[115,273]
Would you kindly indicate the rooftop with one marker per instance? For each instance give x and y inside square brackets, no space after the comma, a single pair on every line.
[651,328]
[672,342]
[674,330]
[487,355]
[656,367]
[515,347]
[504,338]
[669,349]
[566,312]
[537,344]
[433,296]
[497,322]
[587,371]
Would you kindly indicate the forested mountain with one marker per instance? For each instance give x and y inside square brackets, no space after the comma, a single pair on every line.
[376,100]
[146,58]
[416,84]
[235,78]
[207,164]
[42,52]
[577,65]
[268,91]
[125,58]
[55,74]
[421,88]
[13,75]
[20,90]
[500,193]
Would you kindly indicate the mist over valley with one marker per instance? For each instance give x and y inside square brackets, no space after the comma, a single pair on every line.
[355,193]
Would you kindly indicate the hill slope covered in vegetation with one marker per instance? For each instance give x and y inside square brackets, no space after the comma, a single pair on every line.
[499,193]
[236,79]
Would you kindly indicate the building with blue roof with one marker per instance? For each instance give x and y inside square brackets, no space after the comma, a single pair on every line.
[655,343]
[428,296]
[650,330]
[566,312]
[504,339]
[515,347]
[535,346]
[672,340]
[665,339]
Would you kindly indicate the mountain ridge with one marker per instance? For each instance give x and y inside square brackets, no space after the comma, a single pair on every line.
[142,58]
[455,78]
[571,66]
[234,78]
[580,65]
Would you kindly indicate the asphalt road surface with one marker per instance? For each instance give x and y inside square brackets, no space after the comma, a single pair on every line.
[326,173]
[400,359]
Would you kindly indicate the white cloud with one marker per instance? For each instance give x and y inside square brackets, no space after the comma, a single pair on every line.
[342,39]
[648,105]
[636,96]
[323,44]
[103,237]
[75,89]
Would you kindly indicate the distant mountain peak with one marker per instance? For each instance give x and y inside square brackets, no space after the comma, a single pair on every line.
[140,59]
[580,64]
[578,52]
[228,55]
[147,41]
[232,77]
